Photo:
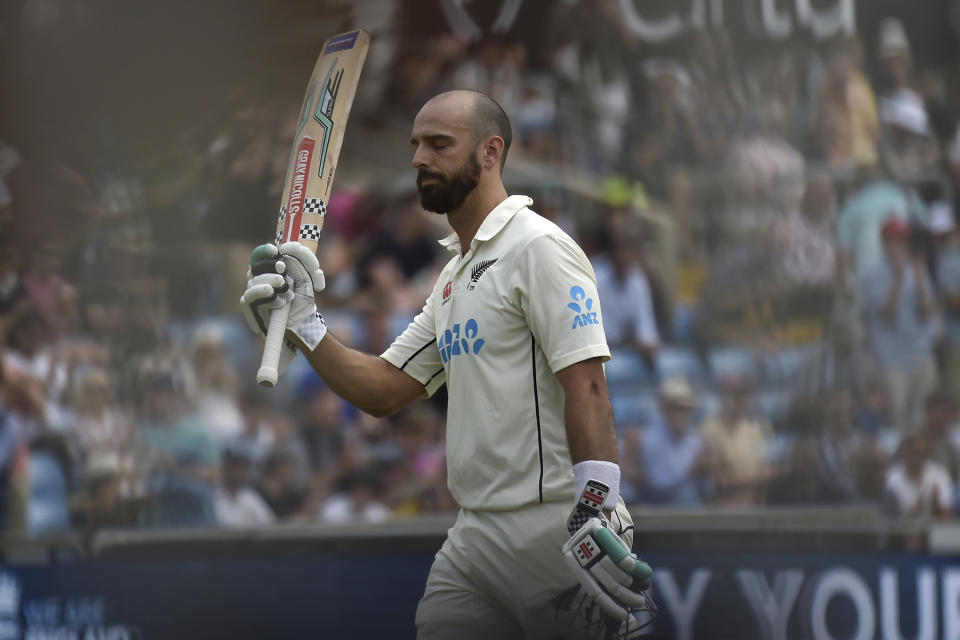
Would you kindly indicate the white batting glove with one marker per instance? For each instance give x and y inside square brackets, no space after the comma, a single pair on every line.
[277,277]
[610,575]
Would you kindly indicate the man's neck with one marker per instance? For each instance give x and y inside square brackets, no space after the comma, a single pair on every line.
[467,218]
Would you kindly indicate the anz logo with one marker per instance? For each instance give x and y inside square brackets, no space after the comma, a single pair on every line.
[453,342]
[585,315]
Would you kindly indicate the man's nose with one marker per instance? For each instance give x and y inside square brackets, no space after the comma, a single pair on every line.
[420,158]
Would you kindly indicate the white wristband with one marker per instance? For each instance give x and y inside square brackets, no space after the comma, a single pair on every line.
[606,472]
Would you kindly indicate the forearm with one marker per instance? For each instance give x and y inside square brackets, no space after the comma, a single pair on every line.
[589,423]
[368,382]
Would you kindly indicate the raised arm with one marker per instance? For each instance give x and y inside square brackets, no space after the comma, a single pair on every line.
[368,382]
[291,275]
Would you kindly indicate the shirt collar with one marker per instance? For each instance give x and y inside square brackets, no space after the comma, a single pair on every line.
[493,223]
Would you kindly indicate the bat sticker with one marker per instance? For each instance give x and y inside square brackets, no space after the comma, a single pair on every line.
[298,186]
[341,43]
[324,113]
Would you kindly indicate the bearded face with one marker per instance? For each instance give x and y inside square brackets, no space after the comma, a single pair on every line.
[441,194]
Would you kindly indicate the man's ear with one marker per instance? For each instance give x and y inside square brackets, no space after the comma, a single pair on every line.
[491,152]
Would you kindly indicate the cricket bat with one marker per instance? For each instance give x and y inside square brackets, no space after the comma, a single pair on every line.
[313,162]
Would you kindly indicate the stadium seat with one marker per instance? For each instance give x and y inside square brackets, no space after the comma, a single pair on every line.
[682,327]
[633,408]
[679,361]
[626,371]
[731,361]
[785,366]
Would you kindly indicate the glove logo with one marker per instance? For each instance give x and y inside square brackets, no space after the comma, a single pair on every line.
[585,551]
[452,343]
[585,315]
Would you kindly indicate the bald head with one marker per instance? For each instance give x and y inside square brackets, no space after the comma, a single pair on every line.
[482,116]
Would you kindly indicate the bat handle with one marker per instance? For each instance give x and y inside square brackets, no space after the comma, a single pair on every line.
[269,364]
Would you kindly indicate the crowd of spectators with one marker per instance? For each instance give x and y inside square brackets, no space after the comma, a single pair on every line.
[777,257]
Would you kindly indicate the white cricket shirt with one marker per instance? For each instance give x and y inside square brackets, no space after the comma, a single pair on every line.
[502,319]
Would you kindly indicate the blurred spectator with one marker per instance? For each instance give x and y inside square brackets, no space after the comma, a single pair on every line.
[940,426]
[737,445]
[356,499]
[278,485]
[100,426]
[32,357]
[258,418]
[628,316]
[669,141]
[217,386]
[14,465]
[406,237]
[900,310]
[322,429]
[290,442]
[414,472]
[104,503]
[803,239]
[718,91]
[176,445]
[908,148]
[840,450]
[763,179]
[864,214]
[918,487]
[846,120]
[236,504]
[47,290]
[895,57]
[12,290]
[384,292]
[664,463]
[872,412]
[947,237]
[799,482]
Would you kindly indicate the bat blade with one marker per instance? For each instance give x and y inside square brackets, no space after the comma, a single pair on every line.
[313,163]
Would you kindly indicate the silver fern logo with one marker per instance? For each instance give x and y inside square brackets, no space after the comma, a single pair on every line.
[477,271]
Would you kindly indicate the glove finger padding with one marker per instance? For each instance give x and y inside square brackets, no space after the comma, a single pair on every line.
[281,276]
[303,265]
[621,556]
[606,569]
[264,294]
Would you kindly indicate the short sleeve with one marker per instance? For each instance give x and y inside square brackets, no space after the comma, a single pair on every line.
[558,295]
[415,352]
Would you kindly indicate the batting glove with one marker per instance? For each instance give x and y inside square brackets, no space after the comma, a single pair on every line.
[277,277]
[610,575]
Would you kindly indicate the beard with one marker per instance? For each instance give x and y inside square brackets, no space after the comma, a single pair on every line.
[447,194]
